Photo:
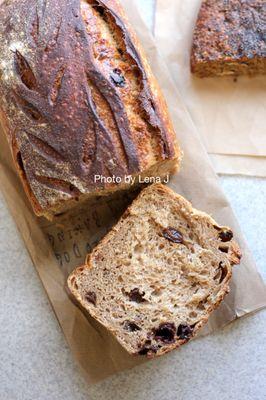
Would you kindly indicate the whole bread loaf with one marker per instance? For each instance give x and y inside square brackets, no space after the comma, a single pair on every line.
[154,280]
[230,38]
[78,101]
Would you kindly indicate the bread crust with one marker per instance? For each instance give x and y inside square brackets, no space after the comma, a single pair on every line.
[229,38]
[57,101]
[234,256]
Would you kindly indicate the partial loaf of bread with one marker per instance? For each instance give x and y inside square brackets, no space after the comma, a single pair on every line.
[229,38]
[154,280]
[79,104]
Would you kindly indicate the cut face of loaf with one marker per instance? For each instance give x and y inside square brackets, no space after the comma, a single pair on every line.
[78,101]
[158,274]
[229,38]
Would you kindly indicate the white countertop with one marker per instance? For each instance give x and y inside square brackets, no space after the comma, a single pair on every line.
[36,364]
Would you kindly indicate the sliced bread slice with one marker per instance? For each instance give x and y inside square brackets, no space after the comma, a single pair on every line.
[158,274]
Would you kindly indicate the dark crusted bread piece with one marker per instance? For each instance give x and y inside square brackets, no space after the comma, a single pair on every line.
[158,274]
[230,38]
[78,99]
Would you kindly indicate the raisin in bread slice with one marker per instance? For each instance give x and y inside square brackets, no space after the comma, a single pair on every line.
[154,280]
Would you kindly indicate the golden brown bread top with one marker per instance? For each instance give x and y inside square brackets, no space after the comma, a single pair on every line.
[77,97]
[230,30]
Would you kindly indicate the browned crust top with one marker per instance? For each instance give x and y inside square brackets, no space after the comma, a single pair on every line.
[230,30]
[58,100]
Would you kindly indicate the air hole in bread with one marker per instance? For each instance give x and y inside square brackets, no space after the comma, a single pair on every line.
[218,274]
[224,249]
[74,283]
[222,272]
[201,306]
[131,326]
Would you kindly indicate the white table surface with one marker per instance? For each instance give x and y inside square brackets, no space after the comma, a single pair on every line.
[36,364]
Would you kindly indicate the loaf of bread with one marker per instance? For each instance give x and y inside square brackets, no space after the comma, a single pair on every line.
[78,102]
[230,38]
[154,280]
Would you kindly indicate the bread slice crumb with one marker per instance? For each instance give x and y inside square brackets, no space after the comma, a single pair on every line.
[155,278]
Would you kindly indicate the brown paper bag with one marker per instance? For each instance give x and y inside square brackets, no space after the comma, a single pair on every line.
[56,248]
[230,115]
